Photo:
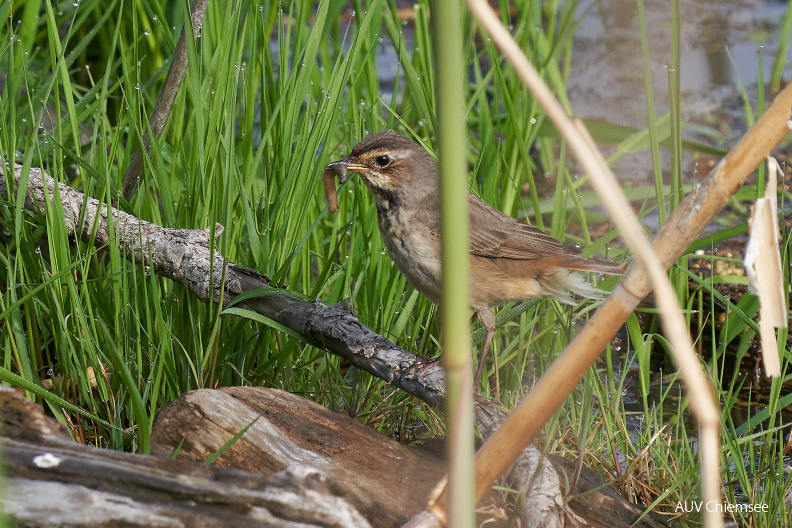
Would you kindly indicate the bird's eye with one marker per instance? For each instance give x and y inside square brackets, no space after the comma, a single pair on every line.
[383,161]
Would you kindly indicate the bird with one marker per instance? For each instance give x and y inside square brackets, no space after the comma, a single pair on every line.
[509,260]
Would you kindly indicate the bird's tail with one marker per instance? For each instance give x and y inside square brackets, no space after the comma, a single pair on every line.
[562,284]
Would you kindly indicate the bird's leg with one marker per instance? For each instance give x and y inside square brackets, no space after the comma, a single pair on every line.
[487,319]
[483,359]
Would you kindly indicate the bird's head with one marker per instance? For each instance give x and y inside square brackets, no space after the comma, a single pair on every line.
[391,165]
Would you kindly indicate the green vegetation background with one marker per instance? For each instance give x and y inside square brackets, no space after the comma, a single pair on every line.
[274,91]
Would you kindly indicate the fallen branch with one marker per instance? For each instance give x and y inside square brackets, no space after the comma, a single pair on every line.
[187,256]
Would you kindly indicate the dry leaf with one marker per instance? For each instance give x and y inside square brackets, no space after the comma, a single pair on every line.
[763,267]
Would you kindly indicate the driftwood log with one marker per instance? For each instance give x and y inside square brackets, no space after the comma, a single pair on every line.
[52,481]
[386,481]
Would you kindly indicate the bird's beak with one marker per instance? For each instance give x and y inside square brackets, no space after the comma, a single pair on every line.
[341,167]
[337,169]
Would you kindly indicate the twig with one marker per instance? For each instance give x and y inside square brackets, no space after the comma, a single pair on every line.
[159,117]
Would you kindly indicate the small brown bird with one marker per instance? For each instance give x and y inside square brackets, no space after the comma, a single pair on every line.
[509,260]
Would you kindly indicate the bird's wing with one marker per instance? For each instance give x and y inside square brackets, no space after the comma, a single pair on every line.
[496,235]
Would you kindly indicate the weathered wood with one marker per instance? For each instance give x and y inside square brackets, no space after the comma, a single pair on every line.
[84,485]
[386,481]
[55,482]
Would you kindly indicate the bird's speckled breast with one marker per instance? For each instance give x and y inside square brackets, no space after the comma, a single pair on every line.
[412,250]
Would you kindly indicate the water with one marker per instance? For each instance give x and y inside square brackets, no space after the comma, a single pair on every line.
[606,79]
